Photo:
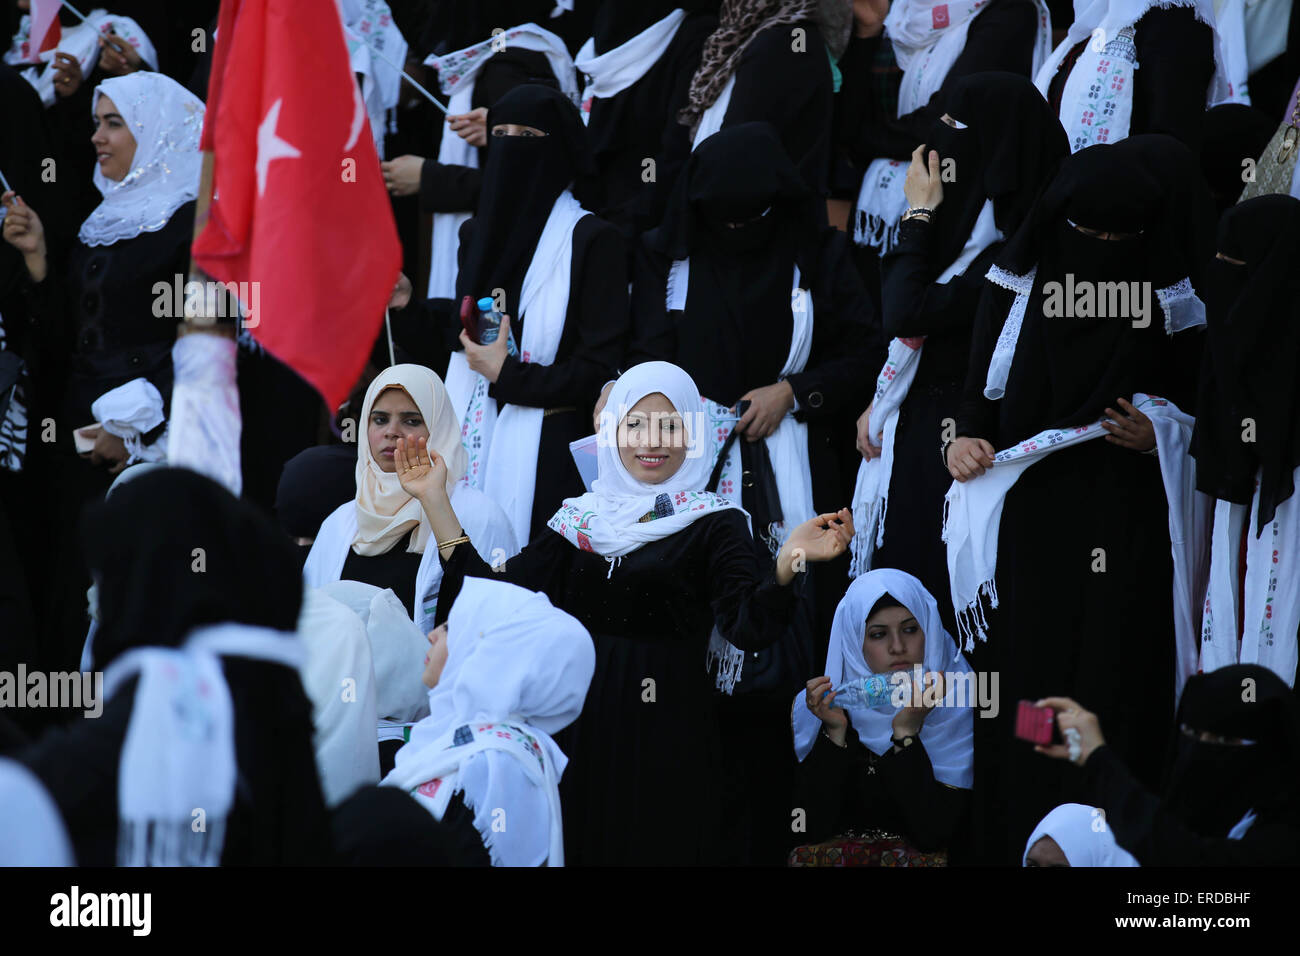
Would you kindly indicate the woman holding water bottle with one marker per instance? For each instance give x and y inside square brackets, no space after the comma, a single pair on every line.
[555,281]
[866,763]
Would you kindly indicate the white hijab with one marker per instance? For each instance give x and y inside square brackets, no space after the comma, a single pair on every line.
[166,120]
[948,732]
[31,828]
[385,512]
[608,519]
[1083,836]
[512,659]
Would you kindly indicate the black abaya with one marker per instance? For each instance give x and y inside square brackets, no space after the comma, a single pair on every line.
[643,785]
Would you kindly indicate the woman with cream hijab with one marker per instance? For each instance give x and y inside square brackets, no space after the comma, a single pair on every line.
[381,537]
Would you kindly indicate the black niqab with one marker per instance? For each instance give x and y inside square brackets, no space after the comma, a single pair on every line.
[173,550]
[1211,786]
[1253,314]
[741,213]
[1069,369]
[522,178]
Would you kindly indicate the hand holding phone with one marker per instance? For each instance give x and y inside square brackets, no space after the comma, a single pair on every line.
[1036,724]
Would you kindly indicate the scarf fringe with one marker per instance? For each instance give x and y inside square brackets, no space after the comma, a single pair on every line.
[869,520]
[172,843]
[971,619]
[876,231]
[730,661]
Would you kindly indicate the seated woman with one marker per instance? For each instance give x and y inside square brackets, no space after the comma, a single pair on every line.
[1232,797]
[505,672]
[653,566]
[904,769]
[380,538]
[1075,835]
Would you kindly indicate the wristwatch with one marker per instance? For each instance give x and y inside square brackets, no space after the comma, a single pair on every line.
[918,212]
[902,742]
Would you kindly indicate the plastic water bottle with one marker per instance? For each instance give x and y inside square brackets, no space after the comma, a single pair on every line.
[491,325]
[874,691]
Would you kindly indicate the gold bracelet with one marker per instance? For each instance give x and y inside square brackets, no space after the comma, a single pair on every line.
[463,539]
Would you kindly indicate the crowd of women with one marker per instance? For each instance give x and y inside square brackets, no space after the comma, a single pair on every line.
[745,356]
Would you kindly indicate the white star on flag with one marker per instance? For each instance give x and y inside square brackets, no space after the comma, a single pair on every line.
[270,146]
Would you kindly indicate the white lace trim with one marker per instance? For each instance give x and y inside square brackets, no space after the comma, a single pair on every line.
[1183,308]
[1000,364]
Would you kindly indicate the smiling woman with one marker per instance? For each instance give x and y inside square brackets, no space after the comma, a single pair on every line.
[114,145]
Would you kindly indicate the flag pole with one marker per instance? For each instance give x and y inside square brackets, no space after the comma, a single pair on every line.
[5,182]
[80,16]
[388,324]
[409,79]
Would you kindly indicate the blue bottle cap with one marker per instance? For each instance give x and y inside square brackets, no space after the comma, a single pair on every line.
[485,304]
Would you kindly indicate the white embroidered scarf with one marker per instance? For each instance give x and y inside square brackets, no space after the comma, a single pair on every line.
[1097,100]
[456,76]
[179,751]
[1271,612]
[374,44]
[80,41]
[871,491]
[972,514]
[615,70]
[621,513]
[517,671]
[501,444]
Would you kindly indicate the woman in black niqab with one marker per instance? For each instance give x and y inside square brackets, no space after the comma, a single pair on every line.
[522,177]
[1096,501]
[1253,313]
[1232,794]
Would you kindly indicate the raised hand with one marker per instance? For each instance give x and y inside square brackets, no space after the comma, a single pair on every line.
[822,538]
[421,470]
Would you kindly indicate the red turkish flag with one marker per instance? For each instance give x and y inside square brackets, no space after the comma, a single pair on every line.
[299,205]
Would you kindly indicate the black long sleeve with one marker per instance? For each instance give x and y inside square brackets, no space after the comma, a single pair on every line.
[596,328]
[914,303]
[842,788]
[843,341]
[1158,839]
[977,416]
[445,187]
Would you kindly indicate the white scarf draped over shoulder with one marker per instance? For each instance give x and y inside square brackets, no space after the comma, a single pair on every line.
[948,731]
[621,513]
[179,751]
[501,442]
[165,119]
[517,672]
[619,68]
[457,73]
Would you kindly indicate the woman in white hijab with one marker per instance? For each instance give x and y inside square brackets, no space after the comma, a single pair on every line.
[653,566]
[1075,835]
[102,316]
[506,672]
[904,769]
[381,537]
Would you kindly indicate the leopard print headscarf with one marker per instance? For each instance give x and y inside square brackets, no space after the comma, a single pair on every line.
[738,23]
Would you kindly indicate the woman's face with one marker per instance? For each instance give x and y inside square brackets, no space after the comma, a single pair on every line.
[436,659]
[113,142]
[393,416]
[894,641]
[652,440]
[1046,852]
